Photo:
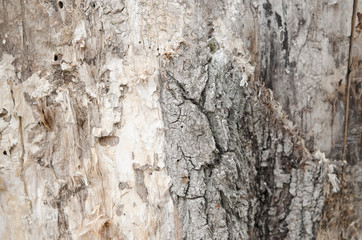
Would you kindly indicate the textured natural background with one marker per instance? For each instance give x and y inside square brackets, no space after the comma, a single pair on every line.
[180,119]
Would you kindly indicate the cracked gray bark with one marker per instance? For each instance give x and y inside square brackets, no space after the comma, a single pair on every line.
[238,171]
[177,119]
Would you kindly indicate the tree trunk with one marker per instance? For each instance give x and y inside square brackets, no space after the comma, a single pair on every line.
[179,120]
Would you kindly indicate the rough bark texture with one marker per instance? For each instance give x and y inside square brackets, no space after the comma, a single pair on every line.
[147,119]
[238,172]
[305,57]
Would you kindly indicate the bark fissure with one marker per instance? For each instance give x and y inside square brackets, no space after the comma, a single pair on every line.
[22,173]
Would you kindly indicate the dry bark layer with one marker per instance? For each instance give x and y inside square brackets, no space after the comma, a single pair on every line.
[80,124]
[98,98]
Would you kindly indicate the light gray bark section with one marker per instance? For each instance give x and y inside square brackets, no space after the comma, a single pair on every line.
[306,54]
[304,48]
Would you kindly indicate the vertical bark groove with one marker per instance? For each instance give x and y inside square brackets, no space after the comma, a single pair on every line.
[348,81]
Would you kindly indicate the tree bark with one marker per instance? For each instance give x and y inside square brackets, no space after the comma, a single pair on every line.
[179,119]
